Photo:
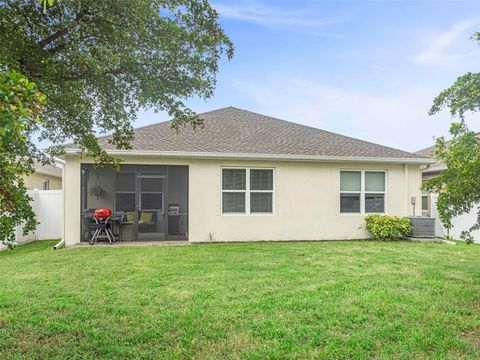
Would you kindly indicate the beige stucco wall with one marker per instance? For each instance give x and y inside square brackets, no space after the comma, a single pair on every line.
[35,181]
[307,205]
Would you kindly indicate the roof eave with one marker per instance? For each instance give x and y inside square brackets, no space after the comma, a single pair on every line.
[277,157]
[49,173]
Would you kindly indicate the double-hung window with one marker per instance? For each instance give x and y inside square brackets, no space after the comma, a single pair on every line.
[247,191]
[362,191]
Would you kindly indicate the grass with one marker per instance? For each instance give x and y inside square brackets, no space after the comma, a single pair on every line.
[255,301]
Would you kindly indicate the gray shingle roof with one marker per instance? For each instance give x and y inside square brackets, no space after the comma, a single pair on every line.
[429,152]
[51,170]
[232,130]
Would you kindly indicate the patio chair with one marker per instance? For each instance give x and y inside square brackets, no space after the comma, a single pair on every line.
[87,221]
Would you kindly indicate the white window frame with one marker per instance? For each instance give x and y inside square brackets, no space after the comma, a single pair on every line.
[363,192]
[45,184]
[426,195]
[247,192]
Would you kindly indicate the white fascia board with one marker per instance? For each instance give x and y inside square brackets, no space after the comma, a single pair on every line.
[277,157]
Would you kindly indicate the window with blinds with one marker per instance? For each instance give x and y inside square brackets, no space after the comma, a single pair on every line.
[247,191]
[362,191]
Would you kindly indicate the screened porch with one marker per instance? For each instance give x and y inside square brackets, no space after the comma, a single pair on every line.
[149,202]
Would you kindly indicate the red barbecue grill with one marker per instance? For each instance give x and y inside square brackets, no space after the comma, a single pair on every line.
[102,218]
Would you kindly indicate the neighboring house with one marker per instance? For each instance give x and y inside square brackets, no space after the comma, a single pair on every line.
[460,223]
[429,171]
[241,177]
[45,177]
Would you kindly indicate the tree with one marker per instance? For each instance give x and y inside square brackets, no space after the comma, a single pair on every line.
[458,186]
[99,62]
[20,104]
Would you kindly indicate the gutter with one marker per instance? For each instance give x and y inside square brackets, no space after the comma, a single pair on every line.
[278,157]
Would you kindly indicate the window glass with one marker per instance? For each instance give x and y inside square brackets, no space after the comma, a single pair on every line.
[374,181]
[350,180]
[425,202]
[261,179]
[374,203]
[233,179]
[261,202]
[350,203]
[233,202]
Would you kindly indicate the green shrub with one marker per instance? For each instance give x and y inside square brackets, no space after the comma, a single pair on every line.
[388,228]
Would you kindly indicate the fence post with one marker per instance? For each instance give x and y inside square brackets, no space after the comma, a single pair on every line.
[35,199]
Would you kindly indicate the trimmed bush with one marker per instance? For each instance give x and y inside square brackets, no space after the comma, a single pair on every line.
[388,228]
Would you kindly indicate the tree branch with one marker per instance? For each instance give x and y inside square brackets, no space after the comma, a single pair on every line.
[61,33]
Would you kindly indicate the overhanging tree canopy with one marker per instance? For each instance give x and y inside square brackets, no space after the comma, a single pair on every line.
[98,62]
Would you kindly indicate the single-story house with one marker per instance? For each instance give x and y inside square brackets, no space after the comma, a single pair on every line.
[45,177]
[241,177]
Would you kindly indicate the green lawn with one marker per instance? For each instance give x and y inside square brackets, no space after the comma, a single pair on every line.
[266,300]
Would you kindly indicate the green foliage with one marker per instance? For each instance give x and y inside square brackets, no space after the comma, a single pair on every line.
[44,3]
[388,228]
[99,62]
[20,104]
[462,97]
[458,186]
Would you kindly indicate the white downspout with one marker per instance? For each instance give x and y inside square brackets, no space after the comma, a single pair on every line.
[405,188]
[61,243]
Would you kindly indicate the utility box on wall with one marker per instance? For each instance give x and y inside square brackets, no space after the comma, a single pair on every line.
[422,226]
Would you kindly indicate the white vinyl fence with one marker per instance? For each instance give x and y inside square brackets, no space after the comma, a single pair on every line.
[460,223]
[47,204]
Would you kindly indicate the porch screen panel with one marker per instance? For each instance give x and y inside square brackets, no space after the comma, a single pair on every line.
[125,181]
[96,191]
[151,193]
[152,201]
[125,193]
[125,202]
